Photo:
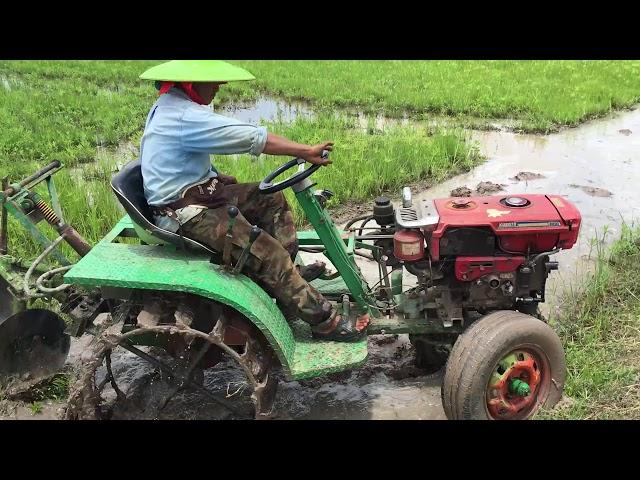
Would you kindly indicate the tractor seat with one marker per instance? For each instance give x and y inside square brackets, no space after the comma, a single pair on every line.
[127,185]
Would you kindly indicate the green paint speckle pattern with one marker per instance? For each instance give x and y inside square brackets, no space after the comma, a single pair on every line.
[330,287]
[160,268]
[315,358]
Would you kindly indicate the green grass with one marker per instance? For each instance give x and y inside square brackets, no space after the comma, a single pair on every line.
[600,329]
[540,95]
[35,408]
[67,110]
[55,388]
[365,163]
[76,111]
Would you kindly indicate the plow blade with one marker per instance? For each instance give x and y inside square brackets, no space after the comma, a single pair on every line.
[33,346]
[8,303]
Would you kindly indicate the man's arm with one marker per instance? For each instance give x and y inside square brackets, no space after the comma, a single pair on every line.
[277,145]
[204,131]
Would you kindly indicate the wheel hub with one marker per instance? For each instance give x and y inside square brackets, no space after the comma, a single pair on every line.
[518,387]
[514,386]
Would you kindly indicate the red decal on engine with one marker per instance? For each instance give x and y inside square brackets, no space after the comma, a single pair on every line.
[472,268]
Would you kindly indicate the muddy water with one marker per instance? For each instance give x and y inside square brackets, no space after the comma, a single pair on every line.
[585,164]
[596,166]
[266,109]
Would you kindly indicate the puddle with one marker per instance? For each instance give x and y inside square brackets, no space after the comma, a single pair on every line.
[592,165]
[388,386]
[266,109]
[269,109]
[106,162]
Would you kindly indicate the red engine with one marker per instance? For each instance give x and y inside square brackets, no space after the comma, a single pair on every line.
[483,253]
[520,225]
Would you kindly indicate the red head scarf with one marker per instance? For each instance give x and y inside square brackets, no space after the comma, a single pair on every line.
[187,87]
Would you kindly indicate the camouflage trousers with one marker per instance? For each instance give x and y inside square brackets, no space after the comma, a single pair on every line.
[271,260]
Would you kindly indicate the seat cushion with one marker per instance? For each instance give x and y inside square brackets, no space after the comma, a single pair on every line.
[128,186]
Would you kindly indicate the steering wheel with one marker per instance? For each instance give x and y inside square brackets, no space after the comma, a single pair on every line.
[267,185]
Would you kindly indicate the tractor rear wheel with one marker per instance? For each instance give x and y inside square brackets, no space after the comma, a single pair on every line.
[230,341]
[504,367]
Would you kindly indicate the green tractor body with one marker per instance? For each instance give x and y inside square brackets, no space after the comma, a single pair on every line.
[467,286]
[124,266]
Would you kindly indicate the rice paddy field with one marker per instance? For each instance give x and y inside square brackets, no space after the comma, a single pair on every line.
[90,115]
[539,96]
[83,112]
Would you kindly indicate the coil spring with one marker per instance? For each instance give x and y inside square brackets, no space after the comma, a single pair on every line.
[49,214]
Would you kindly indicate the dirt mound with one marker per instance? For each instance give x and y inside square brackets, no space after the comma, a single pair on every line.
[483,188]
[593,191]
[527,176]
[461,192]
[487,188]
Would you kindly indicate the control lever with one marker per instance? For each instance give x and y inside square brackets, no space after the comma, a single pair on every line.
[406,197]
[253,234]
[322,196]
[226,253]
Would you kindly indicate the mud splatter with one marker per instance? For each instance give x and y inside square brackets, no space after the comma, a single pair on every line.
[593,191]
[461,192]
[483,188]
[487,188]
[526,176]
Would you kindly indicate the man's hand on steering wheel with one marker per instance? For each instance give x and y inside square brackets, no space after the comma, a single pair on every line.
[315,154]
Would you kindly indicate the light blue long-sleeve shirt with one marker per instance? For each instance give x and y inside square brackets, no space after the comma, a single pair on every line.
[178,138]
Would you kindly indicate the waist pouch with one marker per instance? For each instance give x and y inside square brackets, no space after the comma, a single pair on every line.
[209,193]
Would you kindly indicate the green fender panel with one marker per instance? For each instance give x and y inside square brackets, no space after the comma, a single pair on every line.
[163,268]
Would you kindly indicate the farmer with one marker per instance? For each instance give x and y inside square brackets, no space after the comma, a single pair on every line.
[187,193]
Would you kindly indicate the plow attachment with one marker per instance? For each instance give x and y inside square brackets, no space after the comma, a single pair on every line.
[33,345]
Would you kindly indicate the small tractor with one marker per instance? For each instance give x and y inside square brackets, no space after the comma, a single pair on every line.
[477,268]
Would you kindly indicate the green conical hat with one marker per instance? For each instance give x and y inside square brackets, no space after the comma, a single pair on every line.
[197,71]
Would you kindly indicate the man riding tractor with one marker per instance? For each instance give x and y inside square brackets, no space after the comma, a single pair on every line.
[189,196]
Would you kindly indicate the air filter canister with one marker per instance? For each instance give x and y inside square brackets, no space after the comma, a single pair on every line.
[408,245]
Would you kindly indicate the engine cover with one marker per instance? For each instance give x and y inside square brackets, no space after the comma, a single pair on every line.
[522,224]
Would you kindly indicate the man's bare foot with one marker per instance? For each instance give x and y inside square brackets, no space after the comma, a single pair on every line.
[342,329]
[362,322]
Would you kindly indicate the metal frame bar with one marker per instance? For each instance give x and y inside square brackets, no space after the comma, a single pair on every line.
[335,249]
[55,202]
[35,232]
